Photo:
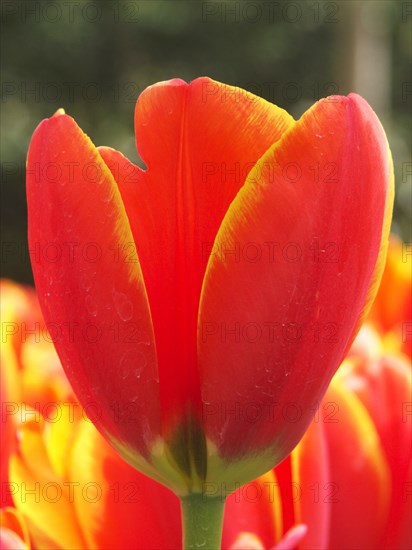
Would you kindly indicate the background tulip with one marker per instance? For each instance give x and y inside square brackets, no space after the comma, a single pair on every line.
[156,390]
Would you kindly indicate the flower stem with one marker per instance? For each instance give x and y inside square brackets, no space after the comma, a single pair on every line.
[202,521]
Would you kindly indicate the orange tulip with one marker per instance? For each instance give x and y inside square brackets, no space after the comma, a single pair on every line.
[174,315]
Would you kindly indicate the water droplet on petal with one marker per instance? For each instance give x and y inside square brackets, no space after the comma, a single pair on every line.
[127,364]
[123,305]
[140,363]
[86,280]
[105,198]
[91,305]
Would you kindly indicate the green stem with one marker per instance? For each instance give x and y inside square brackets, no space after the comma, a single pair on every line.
[202,521]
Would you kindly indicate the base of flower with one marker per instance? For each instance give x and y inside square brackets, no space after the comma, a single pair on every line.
[202,521]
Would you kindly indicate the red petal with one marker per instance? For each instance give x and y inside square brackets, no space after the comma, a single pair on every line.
[132,511]
[199,141]
[384,387]
[311,475]
[90,284]
[256,508]
[277,317]
[13,530]
[359,471]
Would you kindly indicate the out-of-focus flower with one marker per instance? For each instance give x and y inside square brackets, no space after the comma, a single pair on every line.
[31,373]
[147,253]
[34,374]
[347,485]
[393,303]
[391,313]
[14,534]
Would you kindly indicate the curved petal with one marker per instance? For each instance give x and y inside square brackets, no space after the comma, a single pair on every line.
[9,414]
[122,509]
[359,472]
[20,313]
[393,304]
[199,141]
[310,471]
[254,508]
[247,541]
[311,225]
[292,538]
[90,283]
[43,498]
[13,530]
[9,540]
[384,388]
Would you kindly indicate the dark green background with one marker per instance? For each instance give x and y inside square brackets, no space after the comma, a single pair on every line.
[94,58]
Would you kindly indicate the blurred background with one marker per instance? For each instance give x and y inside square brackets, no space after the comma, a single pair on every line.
[94,58]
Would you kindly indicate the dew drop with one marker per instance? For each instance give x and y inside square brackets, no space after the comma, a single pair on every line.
[106,198]
[91,305]
[140,363]
[86,280]
[110,211]
[123,305]
[127,364]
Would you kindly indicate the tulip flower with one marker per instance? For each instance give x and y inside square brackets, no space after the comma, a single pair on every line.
[175,316]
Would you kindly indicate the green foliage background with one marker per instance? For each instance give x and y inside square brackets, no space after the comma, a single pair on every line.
[94,58]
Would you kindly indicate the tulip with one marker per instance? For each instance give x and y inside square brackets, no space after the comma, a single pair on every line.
[167,286]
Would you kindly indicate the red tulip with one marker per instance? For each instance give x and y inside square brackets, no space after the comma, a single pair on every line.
[203,302]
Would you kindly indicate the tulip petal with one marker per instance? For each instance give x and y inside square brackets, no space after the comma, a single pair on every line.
[292,538]
[247,541]
[90,283]
[14,530]
[392,308]
[43,495]
[309,227]
[255,508]
[310,471]
[10,540]
[199,141]
[384,388]
[8,388]
[123,509]
[359,472]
